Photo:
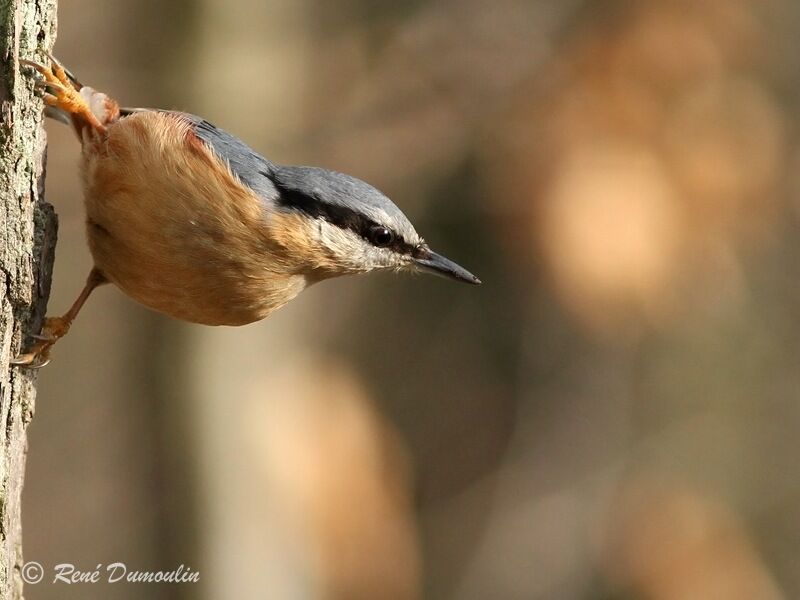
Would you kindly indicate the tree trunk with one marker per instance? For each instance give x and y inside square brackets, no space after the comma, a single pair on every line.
[27,243]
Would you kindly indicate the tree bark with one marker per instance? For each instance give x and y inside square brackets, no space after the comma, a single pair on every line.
[27,243]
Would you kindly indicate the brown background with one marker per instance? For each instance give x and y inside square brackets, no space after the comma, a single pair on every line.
[613,414]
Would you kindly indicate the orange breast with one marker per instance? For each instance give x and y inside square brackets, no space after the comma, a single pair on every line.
[174,229]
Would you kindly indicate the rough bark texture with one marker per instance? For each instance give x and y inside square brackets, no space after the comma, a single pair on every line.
[27,241]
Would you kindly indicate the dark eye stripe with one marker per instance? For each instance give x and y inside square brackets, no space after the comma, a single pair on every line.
[341,216]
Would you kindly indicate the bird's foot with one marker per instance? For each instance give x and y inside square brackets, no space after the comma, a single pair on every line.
[53,329]
[61,90]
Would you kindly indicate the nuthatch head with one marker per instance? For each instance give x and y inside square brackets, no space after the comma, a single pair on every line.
[190,221]
[356,227]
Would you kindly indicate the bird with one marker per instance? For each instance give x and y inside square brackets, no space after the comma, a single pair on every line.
[190,221]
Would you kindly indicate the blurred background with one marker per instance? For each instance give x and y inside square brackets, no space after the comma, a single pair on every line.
[614,414]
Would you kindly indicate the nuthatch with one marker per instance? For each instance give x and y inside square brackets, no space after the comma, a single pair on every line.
[191,222]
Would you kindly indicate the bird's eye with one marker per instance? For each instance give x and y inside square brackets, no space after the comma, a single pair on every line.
[380,236]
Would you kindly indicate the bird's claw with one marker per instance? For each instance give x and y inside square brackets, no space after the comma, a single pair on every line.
[32,360]
[38,356]
[44,337]
[63,70]
[58,87]
[55,73]
[47,91]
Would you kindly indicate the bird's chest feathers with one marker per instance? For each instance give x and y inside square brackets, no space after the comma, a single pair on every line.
[177,231]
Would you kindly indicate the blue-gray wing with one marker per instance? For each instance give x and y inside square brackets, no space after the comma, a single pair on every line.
[251,168]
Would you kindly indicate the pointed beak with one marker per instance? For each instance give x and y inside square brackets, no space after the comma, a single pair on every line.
[429,261]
